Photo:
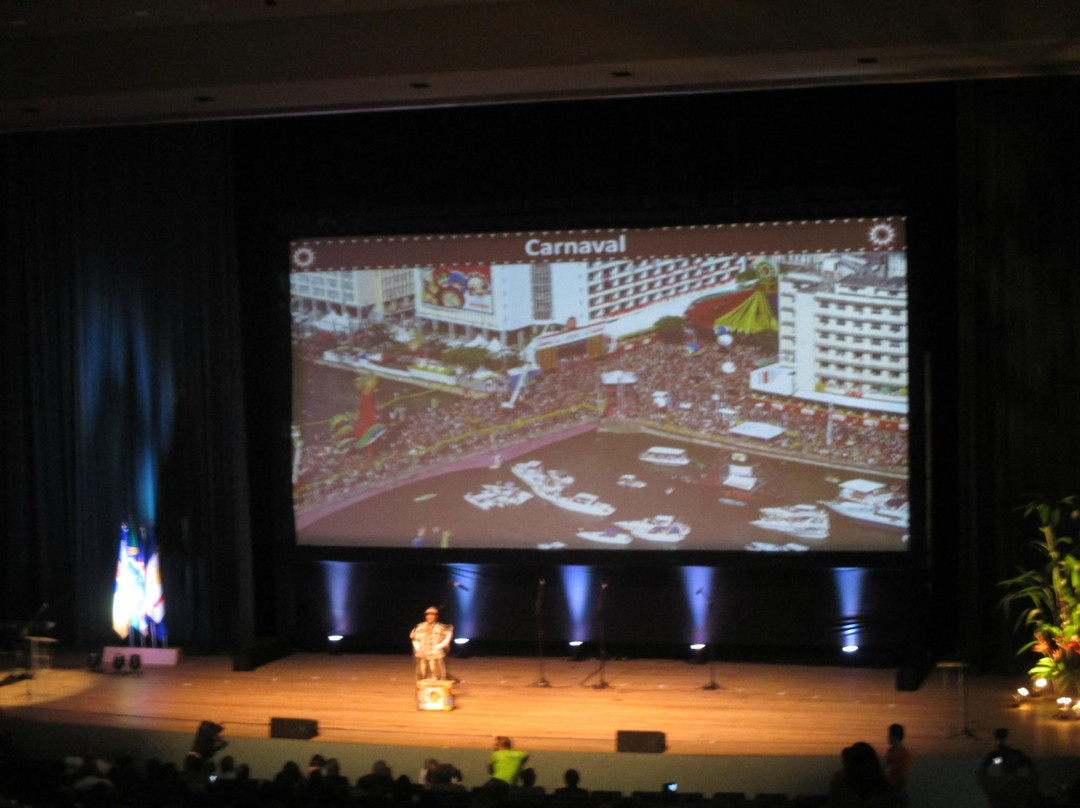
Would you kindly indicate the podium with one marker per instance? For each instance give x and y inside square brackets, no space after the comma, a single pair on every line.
[435,694]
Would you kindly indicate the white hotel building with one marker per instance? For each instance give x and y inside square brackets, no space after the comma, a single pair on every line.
[347,297]
[613,297]
[843,334]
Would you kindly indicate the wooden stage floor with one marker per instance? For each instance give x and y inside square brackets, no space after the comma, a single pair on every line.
[759,709]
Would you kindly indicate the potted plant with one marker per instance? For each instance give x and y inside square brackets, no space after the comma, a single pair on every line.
[1049,594]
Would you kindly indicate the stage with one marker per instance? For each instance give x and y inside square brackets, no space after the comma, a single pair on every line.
[764,728]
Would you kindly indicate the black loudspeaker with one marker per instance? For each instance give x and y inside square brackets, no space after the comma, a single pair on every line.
[909,677]
[302,728]
[633,741]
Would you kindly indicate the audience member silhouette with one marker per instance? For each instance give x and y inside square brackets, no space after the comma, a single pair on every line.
[897,763]
[572,787]
[380,780]
[208,740]
[1007,777]
[861,783]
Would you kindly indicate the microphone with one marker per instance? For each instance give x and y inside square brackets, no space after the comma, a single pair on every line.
[460,585]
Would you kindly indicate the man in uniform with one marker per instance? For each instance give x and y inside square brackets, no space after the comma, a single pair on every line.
[430,640]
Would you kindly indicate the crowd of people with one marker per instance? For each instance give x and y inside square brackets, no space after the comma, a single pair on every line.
[205,779]
[708,392]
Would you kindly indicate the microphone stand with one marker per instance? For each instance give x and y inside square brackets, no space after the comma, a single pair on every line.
[602,683]
[542,681]
[442,609]
[712,683]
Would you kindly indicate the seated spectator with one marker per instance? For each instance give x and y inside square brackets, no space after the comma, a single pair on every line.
[1007,777]
[572,787]
[333,778]
[380,779]
[446,777]
[425,773]
[527,786]
[861,783]
[228,768]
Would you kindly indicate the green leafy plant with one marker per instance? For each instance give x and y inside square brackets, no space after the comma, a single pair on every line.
[1048,595]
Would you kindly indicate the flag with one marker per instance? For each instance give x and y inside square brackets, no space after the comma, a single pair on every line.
[153,605]
[130,582]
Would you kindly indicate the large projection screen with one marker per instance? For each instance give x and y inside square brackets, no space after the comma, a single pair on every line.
[730,387]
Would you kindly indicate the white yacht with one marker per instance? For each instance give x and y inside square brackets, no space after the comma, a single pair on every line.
[659,528]
[665,456]
[608,536]
[800,521]
[871,502]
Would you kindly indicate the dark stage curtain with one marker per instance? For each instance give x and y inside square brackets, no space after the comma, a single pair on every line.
[1018,340]
[122,378]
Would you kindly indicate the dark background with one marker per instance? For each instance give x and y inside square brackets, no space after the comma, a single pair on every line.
[146,344]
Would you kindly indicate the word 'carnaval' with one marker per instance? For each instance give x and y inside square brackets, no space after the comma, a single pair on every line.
[535,246]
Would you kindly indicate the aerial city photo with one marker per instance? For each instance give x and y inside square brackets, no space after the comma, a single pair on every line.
[728,387]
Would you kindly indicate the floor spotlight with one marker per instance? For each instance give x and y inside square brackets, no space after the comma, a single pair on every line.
[1065,708]
[577,650]
[462,647]
[697,655]
[335,642]
[851,648]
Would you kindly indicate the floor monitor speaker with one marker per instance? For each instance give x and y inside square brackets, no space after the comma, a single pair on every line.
[302,728]
[635,741]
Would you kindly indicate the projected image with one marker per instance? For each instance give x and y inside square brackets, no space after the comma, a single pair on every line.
[733,387]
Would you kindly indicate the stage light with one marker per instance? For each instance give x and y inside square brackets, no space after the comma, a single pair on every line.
[335,637]
[696,656]
[463,647]
[577,650]
[1020,696]
[1040,685]
[461,640]
[849,649]
[697,646]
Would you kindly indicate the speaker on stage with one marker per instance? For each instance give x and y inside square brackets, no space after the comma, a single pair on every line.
[301,728]
[634,741]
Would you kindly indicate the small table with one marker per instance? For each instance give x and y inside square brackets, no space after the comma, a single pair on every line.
[948,667]
[40,659]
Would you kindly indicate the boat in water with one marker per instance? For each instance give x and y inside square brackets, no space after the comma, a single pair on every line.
[549,486]
[741,480]
[659,528]
[871,502]
[533,474]
[766,547]
[630,481]
[665,456]
[608,536]
[800,521]
[497,495]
